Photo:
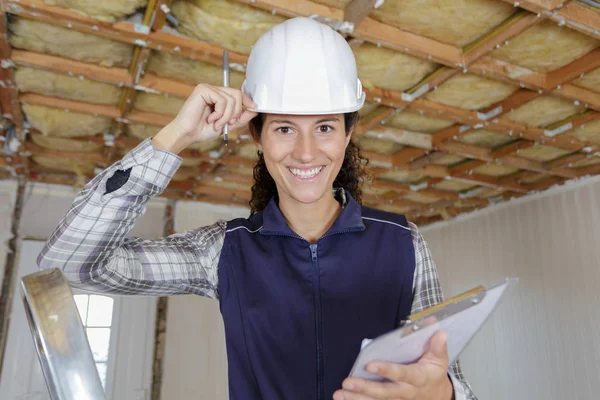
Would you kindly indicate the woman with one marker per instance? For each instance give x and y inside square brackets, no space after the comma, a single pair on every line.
[311,273]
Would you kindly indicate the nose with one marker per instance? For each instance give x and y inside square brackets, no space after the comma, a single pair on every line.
[305,148]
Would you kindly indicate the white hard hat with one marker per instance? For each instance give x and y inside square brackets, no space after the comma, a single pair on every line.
[303,67]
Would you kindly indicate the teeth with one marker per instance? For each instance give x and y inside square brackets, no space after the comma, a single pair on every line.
[303,173]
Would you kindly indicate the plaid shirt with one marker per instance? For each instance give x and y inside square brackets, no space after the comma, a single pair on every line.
[91,248]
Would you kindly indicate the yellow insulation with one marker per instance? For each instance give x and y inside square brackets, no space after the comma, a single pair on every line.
[591,80]
[586,161]
[546,47]
[414,121]
[143,131]
[471,92]
[46,38]
[543,111]
[181,68]
[484,138]
[103,10]
[543,153]
[589,132]
[227,23]
[389,69]
[379,146]
[448,159]
[64,144]
[496,170]
[157,103]
[456,22]
[401,176]
[246,150]
[66,87]
[421,198]
[451,185]
[57,122]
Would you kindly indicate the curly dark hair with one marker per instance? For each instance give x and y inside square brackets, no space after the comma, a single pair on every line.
[352,173]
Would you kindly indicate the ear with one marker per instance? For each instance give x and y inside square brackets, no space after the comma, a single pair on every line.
[255,137]
[349,136]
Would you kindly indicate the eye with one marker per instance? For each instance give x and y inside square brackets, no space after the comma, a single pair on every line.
[325,128]
[284,130]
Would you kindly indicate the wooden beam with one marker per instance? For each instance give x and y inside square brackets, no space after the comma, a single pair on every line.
[164,85]
[430,82]
[511,148]
[159,16]
[514,25]
[143,117]
[74,155]
[581,95]
[357,10]
[407,42]
[10,95]
[577,16]
[373,119]
[466,167]
[407,155]
[116,76]
[505,71]
[593,169]
[574,70]
[71,105]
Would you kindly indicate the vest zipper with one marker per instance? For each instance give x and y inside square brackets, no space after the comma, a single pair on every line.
[318,323]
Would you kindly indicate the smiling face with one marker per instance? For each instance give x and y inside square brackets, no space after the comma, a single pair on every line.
[304,154]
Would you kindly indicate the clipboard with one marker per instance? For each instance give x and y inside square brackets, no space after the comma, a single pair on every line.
[461,316]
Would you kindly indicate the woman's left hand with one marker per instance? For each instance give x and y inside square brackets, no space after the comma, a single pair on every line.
[426,379]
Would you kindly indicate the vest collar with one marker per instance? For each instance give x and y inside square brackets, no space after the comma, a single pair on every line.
[349,219]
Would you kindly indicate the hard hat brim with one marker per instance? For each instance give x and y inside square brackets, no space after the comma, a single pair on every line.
[357,107]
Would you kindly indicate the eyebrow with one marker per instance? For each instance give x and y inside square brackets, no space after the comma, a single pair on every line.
[285,121]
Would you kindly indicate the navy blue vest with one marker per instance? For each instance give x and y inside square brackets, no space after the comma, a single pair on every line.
[295,313]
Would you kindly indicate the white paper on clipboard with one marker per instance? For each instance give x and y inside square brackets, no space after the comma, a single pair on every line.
[405,345]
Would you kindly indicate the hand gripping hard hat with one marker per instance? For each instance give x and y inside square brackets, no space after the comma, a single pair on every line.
[303,67]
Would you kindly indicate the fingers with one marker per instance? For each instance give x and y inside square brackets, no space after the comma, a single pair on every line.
[437,352]
[413,374]
[355,388]
[228,106]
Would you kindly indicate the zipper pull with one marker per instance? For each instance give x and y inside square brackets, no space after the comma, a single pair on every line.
[313,251]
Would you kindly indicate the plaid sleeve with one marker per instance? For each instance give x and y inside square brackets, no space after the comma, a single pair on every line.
[90,247]
[427,292]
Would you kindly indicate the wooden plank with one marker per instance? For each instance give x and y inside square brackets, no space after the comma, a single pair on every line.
[357,10]
[75,106]
[72,155]
[446,134]
[578,17]
[153,83]
[583,96]
[407,155]
[511,148]
[565,161]
[10,95]
[407,42]
[465,167]
[593,169]
[116,76]
[159,17]
[373,119]
[574,70]
[490,67]
[143,117]
[515,100]
[514,25]
[297,8]
[431,81]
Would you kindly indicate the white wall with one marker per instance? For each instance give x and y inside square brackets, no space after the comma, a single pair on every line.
[134,318]
[195,363]
[542,342]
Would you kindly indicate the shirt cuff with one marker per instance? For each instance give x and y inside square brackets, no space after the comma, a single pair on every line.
[460,392]
[151,171]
